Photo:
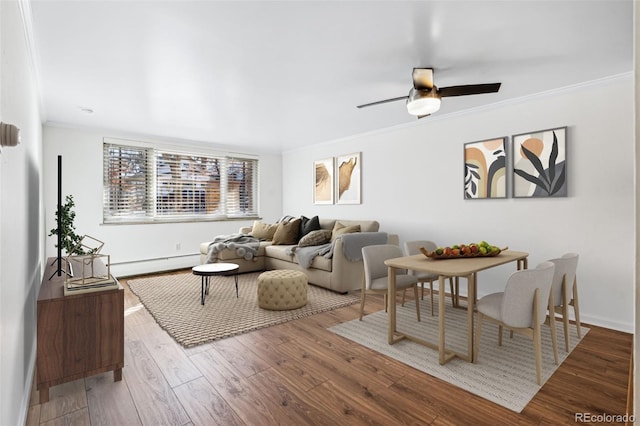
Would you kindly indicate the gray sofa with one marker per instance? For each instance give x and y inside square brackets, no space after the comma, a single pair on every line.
[336,273]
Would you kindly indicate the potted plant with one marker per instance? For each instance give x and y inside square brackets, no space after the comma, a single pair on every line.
[70,242]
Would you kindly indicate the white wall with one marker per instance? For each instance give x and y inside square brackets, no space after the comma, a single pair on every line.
[140,248]
[412,178]
[636,351]
[21,239]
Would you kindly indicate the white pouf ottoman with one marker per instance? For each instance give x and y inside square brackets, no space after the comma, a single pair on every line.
[282,289]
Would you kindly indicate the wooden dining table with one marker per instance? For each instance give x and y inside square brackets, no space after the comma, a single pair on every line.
[459,268]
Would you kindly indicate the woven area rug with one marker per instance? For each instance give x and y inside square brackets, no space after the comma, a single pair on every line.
[174,302]
[505,375]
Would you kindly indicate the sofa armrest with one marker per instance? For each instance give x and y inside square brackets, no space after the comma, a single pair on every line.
[245,230]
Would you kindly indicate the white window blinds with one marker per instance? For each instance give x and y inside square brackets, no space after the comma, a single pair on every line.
[144,184]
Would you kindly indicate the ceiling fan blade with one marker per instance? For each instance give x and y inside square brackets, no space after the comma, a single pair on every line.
[422,78]
[382,102]
[469,89]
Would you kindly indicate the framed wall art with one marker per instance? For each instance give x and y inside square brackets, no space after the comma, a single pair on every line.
[348,178]
[323,181]
[540,164]
[485,169]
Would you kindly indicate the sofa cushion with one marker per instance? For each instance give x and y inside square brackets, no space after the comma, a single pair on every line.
[280,253]
[322,263]
[287,232]
[307,225]
[263,231]
[327,223]
[340,229]
[315,238]
[365,225]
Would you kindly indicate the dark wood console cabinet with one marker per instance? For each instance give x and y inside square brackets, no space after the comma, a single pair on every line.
[79,335]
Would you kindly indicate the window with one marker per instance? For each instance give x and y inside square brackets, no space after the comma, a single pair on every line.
[148,184]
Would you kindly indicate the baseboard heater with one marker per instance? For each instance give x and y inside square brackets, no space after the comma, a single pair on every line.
[154,259]
[157,264]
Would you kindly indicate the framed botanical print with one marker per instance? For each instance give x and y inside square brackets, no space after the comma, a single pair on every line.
[348,178]
[485,169]
[323,181]
[540,164]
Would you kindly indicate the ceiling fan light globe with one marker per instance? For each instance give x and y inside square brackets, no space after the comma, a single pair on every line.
[423,105]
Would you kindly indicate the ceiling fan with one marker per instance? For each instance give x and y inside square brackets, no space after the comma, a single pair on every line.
[424,97]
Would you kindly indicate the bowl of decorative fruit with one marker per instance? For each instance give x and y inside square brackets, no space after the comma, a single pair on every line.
[462,251]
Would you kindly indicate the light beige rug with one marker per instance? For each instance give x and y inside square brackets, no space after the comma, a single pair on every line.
[174,302]
[505,375]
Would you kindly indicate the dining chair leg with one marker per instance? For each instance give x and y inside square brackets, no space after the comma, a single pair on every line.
[454,301]
[576,307]
[537,339]
[386,302]
[422,293]
[403,293]
[476,343]
[500,330]
[552,325]
[415,295]
[431,294]
[362,303]
[538,352]
[565,321]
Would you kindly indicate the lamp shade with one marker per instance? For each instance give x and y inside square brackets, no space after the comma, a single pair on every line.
[421,102]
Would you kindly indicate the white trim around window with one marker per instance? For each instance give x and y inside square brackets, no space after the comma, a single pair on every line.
[145,183]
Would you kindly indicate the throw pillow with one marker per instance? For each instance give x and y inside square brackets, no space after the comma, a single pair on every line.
[315,238]
[307,225]
[287,233]
[263,231]
[340,229]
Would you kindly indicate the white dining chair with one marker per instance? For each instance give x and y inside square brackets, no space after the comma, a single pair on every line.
[376,279]
[521,308]
[412,248]
[565,292]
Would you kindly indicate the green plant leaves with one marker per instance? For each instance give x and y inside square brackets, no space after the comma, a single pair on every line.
[69,239]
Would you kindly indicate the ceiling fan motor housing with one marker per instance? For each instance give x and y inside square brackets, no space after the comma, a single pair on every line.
[423,102]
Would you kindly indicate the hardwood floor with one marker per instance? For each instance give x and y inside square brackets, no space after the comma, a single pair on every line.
[298,373]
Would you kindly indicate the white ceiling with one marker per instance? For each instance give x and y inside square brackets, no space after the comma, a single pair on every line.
[278,75]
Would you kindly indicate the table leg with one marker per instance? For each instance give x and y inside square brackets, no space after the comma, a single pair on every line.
[471,300]
[441,302]
[391,302]
[236,278]
[456,292]
[202,284]
[522,264]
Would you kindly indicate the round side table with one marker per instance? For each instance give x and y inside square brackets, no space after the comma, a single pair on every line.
[209,270]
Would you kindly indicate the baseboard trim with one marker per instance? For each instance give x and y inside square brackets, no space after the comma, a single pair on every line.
[28,387]
[146,266]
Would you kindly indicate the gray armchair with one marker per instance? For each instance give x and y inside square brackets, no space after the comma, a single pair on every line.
[522,308]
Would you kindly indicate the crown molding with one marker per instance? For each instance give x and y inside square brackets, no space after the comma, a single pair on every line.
[483,108]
